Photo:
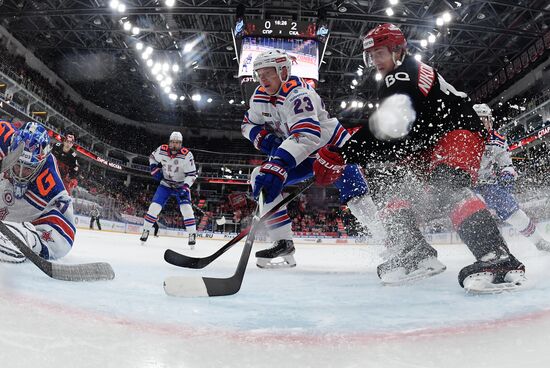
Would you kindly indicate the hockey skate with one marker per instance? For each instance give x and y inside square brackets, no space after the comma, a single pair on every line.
[281,248]
[493,276]
[192,240]
[543,245]
[410,264]
[144,236]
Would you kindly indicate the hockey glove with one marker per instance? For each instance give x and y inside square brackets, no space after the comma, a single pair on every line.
[267,142]
[156,172]
[329,165]
[184,194]
[271,179]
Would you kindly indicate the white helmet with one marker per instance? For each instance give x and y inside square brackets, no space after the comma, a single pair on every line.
[275,58]
[483,110]
[176,136]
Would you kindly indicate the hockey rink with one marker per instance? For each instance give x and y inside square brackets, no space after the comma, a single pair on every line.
[330,311]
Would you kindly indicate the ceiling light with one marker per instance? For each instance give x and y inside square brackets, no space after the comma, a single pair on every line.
[354,82]
[480,16]
[242,102]
[418,57]
[167,89]
[148,49]
[389,11]
[439,21]
[139,46]
[121,8]
[394,2]
[352,87]
[170,3]
[343,104]
[173,96]
[354,104]
[424,43]
[431,38]
[182,98]
[168,81]
[209,100]
[135,31]
[342,9]
[188,47]
[196,97]
[370,105]
[114,4]
[150,63]
[127,26]
[165,67]
[175,68]
[359,72]
[159,77]
[360,105]
[145,56]
[378,76]
[446,17]
[231,101]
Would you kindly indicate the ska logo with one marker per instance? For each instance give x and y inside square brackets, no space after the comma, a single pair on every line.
[399,76]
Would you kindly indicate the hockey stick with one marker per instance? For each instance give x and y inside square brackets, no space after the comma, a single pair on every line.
[186,286]
[77,272]
[181,260]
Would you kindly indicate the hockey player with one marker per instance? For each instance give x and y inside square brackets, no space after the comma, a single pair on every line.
[34,205]
[95,214]
[67,162]
[496,182]
[174,167]
[287,121]
[429,131]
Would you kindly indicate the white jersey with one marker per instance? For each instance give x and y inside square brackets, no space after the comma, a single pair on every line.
[496,160]
[297,115]
[177,170]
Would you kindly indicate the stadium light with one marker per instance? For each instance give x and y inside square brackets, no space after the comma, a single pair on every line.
[114,4]
[424,43]
[121,8]
[418,57]
[163,83]
[360,104]
[394,2]
[182,98]
[173,96]
[165,67]
[167,89]
[150,63]
[446,17]
[352,86]
[354,82]
[196,97]
[431,38]
[135,31]
[359,71]
[242,102]
[343,104]
[370,105]
[169,81]
[145,56]
[127,26]
[378,76]
[188,47]
[354,104]
[170,3]
[148,49]
[159,77]
[139,46]
[389,12]
[231,101]
[439,21]
[175,68]
[209,100]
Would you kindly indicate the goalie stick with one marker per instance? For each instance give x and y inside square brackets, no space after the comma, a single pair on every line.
[181,260]
[76,272]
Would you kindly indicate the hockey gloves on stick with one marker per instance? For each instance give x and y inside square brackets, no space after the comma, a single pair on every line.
[329,166]
[271,179]
[267,142]
[183,193]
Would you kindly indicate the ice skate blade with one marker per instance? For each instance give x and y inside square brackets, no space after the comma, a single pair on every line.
[276,263]
[427,268]
[482,283]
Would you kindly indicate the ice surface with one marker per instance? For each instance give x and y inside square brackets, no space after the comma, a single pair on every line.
[330,311]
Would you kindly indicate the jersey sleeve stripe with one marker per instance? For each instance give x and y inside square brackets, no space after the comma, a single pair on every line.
[59,224]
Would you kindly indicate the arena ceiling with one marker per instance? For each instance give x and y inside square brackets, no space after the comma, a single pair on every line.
[84,42]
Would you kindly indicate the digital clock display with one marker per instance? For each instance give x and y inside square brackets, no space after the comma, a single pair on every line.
[280,28]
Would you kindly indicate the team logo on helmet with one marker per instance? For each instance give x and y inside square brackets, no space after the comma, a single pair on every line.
[368,42]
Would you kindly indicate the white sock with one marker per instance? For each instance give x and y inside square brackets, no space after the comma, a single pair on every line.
[365,211]
[527,227]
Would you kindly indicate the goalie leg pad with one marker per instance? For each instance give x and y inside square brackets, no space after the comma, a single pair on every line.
[24,231]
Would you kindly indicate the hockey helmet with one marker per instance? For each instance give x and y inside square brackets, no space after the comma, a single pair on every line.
[388,35]
[36,149]
[176,136]
[275,58]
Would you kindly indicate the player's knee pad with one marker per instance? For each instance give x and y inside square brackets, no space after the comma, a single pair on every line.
[351,184]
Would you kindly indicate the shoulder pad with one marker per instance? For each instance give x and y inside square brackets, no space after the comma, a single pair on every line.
[292,84]
[164,147]
[184,151]
[6,131]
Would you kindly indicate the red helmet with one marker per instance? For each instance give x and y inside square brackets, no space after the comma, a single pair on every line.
[385,34]
[388,35]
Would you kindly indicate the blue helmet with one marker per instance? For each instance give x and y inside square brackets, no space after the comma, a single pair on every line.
[36,150]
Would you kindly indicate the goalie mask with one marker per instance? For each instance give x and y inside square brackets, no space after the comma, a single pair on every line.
[36,143]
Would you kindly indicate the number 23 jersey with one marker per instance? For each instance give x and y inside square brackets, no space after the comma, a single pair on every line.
[298,116]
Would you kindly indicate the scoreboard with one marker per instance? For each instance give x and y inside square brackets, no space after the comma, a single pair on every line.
[279,28]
